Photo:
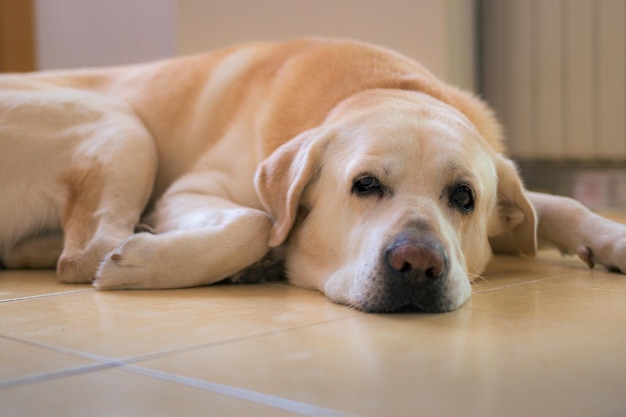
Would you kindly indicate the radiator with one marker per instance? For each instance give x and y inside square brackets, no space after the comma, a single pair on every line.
[555,72]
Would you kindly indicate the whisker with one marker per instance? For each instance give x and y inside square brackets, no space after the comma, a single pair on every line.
[474,277]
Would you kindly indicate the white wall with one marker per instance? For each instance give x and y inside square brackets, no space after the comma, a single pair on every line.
[74,33]
[439,33]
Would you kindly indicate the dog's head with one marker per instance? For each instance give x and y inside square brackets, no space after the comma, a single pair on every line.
[389,203]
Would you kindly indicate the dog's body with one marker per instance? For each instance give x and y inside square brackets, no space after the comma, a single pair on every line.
[380,184]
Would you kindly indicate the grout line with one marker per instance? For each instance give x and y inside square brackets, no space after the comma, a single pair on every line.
[157,355]
[126,365]
[31,297]
[105,362]
[59,349]
[49,376]
[281,403]
[518,284]
[102,363]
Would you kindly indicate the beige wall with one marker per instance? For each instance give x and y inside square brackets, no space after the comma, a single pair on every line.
[76,33]
[437,32]
[73,33]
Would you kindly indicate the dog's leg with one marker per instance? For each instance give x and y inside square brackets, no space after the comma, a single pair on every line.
[572,228]
[203,240]
[97,219]
[569,226]
[106,194]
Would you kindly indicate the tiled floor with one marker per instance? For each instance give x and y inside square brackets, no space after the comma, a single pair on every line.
[538,338]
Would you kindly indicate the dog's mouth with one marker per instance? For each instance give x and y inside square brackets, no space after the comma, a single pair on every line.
[409,309]
[413,276]
[390,304]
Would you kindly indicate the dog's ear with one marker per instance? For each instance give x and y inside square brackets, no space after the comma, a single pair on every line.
[282,177]
[513,213]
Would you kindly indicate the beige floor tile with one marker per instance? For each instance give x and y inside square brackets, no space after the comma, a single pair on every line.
[33,283]
[618,216]
[504,271]
[118,324]
[592,297]
[114,392]
[465,363]
[21,361]
[507,270]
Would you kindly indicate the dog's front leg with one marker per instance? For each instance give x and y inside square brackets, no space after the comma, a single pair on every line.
[105,196]
[569,226]
[200,240]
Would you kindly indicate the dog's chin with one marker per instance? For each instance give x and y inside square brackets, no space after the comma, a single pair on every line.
[390,303]
[385,295]
[397,307]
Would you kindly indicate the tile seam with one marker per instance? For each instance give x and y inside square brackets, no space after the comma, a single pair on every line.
[256,397]
[107,362]
[32,297]
[519,284]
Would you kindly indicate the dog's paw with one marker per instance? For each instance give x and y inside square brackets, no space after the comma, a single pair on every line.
[611,255]
[131,266]
[606,248]
[82,266]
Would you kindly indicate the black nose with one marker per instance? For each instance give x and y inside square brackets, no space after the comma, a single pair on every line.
[417,259]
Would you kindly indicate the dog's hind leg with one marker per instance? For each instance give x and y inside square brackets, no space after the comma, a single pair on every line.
[107,188]
[204,239]
[37,252]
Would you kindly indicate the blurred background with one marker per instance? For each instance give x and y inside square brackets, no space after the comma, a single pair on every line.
[554,70]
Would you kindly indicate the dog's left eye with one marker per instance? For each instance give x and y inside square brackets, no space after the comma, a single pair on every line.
[366,186]
[462,198]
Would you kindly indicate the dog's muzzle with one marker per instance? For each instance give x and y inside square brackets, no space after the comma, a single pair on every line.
[412,276]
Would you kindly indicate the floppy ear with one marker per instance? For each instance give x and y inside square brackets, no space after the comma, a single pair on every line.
[281,178]
[514,213]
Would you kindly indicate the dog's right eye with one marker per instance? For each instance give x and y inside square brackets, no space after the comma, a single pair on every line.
[463,198]
[367,186]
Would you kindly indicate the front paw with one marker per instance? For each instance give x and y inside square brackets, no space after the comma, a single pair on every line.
[131,266]
[612,257]
[608,248]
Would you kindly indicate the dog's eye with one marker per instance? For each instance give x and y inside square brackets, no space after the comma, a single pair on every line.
[462,198]
[366,186]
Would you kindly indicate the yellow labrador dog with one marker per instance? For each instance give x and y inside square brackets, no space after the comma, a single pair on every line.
[375,182]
